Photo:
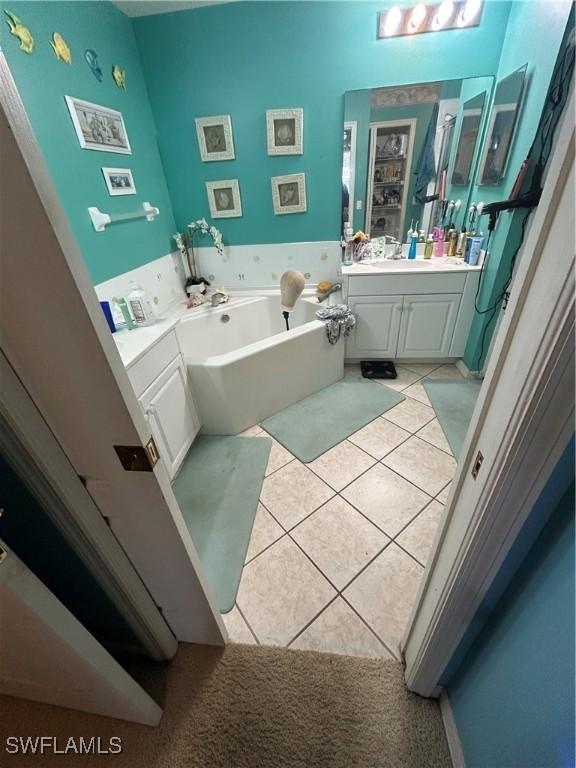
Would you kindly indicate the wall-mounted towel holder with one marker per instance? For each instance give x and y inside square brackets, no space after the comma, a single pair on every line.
[101,220]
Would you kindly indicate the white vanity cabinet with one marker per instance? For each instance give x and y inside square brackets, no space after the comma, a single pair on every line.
[421,315]
[160,382]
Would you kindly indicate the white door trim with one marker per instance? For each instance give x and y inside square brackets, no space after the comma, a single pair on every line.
[522,423]
[33,451]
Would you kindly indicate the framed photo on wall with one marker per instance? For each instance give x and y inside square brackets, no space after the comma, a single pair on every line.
[215,139]
[224,199]
[97,127]
[289,193]
[284,130]
[119,181]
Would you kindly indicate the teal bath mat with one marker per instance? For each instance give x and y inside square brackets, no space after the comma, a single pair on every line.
[218,488]
[312,426]
[454,403]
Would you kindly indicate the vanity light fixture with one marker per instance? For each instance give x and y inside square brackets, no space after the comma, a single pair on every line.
[449,14]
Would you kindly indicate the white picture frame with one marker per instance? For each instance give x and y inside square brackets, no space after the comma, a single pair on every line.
[224,199]
[98,128]
[119,181]
[215,139]
[289,193]
[285,131]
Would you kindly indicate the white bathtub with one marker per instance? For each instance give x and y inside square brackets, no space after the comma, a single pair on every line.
[244,366]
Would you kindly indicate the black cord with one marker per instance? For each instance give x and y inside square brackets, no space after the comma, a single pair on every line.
[286,316]
[479,311]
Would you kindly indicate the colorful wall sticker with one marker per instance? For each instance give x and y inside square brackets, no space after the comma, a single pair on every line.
[61,48]
[92,61]
[21,32]
[119,76]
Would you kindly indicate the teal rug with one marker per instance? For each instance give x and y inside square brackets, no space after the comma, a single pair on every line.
[453,402]
[218,488]
[312,426]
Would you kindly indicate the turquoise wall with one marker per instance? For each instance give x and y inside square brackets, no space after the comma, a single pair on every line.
[533,36]
[43,80]
[513,696]
[244,58]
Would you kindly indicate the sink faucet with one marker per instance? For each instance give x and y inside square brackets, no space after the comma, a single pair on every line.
[333,289]
[218,298]
[397,247]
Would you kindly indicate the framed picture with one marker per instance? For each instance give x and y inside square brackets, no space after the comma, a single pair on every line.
[289,193]
[284,128]
[215,138]
[119,181]
[98,127]
[224,199]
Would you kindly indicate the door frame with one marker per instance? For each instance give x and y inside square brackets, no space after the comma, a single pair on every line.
[522,423]
[99,409]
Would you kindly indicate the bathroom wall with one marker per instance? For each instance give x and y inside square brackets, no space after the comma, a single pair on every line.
[244,58]
[43,80]
[533,36]
[513,695]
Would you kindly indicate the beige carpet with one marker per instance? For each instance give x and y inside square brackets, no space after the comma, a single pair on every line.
[255,707]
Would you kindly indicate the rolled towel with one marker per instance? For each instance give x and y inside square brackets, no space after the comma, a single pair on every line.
[338,318]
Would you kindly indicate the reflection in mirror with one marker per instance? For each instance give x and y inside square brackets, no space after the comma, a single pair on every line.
[401,166]
[503,119]
[467,140]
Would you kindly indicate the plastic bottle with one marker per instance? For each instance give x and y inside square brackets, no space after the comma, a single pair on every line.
[410,231]
[413,244]
[429,247]
[123,307]
[140,306]
[421,236]
[438,242]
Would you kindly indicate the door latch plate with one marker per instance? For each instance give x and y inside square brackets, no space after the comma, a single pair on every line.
[477,464]
[136,458]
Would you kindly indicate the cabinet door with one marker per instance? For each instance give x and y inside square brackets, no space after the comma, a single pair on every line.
[427,325]
[377,325]
[170,410]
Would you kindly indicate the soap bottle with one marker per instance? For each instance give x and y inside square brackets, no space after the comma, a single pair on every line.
[429,247]
[140,306]
[123,307]
[438,242]
[452,243]
[421,236]
[413,244]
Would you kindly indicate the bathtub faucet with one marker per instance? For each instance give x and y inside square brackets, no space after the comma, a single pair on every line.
[218,298]
[332,289]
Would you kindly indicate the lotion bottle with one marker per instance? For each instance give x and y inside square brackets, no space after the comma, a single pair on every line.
[141,306]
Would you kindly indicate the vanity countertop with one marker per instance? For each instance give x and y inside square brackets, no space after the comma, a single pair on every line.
[133,344]
[408,266]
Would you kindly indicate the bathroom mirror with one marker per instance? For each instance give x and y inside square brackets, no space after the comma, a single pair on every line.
[407,151]
[503,121]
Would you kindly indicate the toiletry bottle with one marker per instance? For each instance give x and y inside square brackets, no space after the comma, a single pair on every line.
[452,243]
[108,315]
[438,242]
[421,236]
[429,247]
[123,306]
[413,244]
[410,231]
[140,306]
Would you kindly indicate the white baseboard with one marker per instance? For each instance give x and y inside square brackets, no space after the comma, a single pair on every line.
[466,372]
[452,737]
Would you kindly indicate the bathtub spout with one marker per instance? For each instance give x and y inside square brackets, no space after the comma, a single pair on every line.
[332,289]
[218,298]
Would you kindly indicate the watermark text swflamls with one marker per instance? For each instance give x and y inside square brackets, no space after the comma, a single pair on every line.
[80,745]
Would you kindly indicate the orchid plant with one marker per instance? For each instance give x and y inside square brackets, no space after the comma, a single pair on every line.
[204,228]
[185,244]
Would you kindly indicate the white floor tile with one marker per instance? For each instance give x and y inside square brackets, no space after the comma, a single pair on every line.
[386,498]
[402,380]
[442,497]
[383,594]
[421,368]
[339,630]
[281,591]
[434,434]
[446,372]
[418,537]
[422,464]
[293,492]
[410,415]
[255,431]
[339,540]
[279,456]
[341,464]
[265,531]
[417,392]
[238,630]
[379,437]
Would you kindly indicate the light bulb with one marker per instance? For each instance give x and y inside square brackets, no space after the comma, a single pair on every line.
[444,14]
[392,23]
[417,17]
[469,12]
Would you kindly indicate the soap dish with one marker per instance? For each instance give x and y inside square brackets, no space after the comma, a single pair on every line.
[378,369]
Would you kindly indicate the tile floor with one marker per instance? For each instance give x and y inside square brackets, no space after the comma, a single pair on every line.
[339,545]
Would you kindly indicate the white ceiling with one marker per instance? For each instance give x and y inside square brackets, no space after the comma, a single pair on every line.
[150,7]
